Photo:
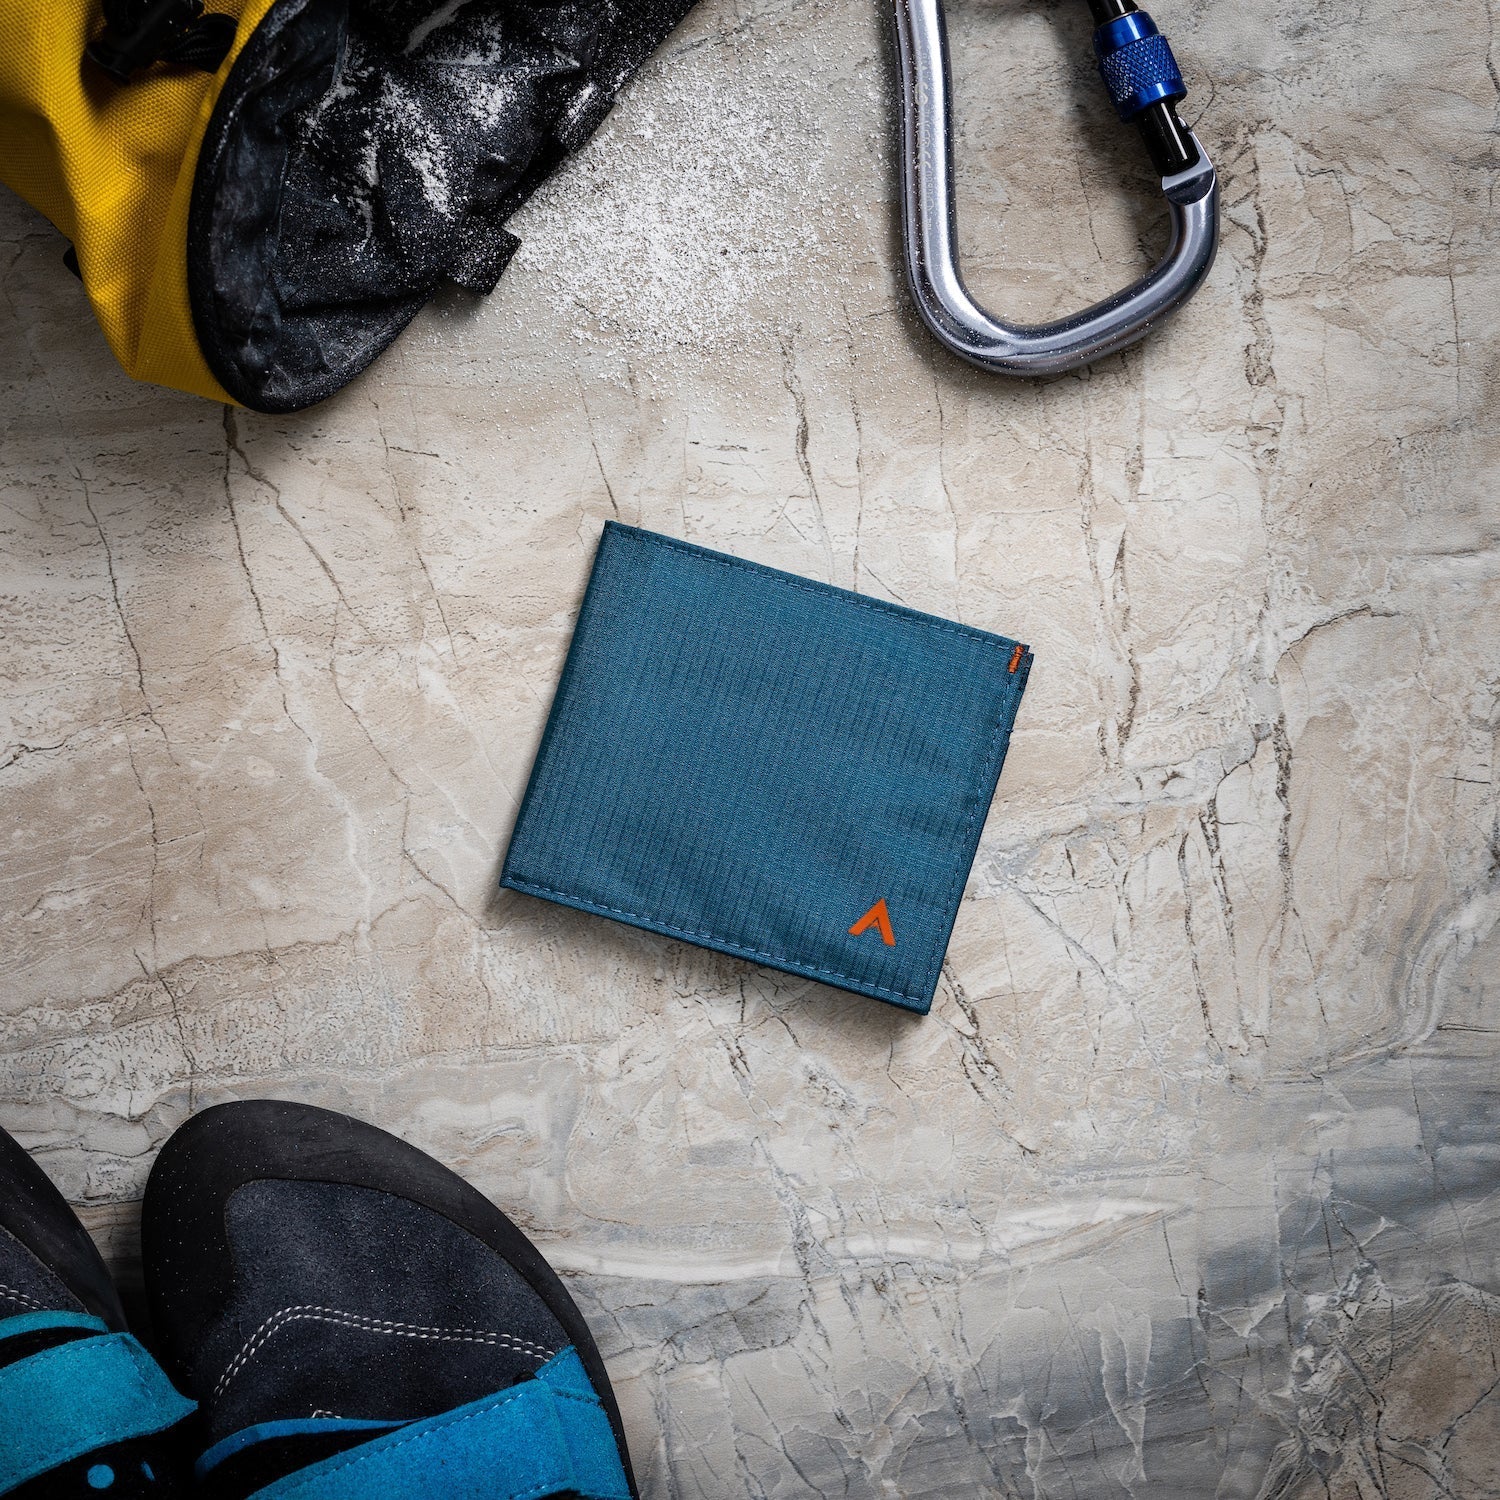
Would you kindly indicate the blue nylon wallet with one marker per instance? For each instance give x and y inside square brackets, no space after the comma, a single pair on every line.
[767,765]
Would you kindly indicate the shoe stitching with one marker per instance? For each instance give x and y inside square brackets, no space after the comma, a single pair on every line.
[439,1427]
[12,1295]
[311,1313]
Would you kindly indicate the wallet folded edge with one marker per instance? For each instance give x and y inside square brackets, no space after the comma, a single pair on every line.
[847,983]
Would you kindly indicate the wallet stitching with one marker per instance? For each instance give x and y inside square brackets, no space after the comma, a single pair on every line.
[832,592]
[519,882]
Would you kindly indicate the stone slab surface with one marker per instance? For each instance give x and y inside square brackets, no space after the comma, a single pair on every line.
[1190,1184]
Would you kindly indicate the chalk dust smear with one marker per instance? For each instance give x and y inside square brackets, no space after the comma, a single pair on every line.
[703,205]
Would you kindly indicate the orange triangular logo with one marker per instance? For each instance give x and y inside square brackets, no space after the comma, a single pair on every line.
[877,916]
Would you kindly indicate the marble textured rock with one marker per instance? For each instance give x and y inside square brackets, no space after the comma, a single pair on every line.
[1189,1186]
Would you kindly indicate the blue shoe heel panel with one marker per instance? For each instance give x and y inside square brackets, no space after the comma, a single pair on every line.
[541,1437]
[78,1397]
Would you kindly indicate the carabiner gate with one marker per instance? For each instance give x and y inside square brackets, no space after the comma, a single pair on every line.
[1143,80]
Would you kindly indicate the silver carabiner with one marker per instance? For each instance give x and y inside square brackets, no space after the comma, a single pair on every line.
[1143,80]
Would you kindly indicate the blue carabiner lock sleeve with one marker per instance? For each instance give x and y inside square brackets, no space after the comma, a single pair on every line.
[1136,64]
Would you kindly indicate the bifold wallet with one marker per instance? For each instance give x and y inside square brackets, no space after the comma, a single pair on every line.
[767,765]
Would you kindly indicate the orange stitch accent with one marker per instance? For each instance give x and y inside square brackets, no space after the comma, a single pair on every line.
[877,916]
[1015,658]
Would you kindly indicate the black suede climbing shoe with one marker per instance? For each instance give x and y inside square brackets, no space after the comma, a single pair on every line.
[84,1409]
[356,1320]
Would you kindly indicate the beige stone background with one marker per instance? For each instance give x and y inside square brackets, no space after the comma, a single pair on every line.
[1190,1184]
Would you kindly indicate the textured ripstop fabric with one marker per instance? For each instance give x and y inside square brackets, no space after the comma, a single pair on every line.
[754,762]
[112,167]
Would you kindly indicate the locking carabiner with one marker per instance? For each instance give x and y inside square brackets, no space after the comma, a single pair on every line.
[1142,78]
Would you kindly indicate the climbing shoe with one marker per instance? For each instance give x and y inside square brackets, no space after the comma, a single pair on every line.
[356,1320]
[84,1409]
[261,194]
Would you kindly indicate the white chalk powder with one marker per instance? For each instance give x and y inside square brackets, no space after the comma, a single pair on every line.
[703,201]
